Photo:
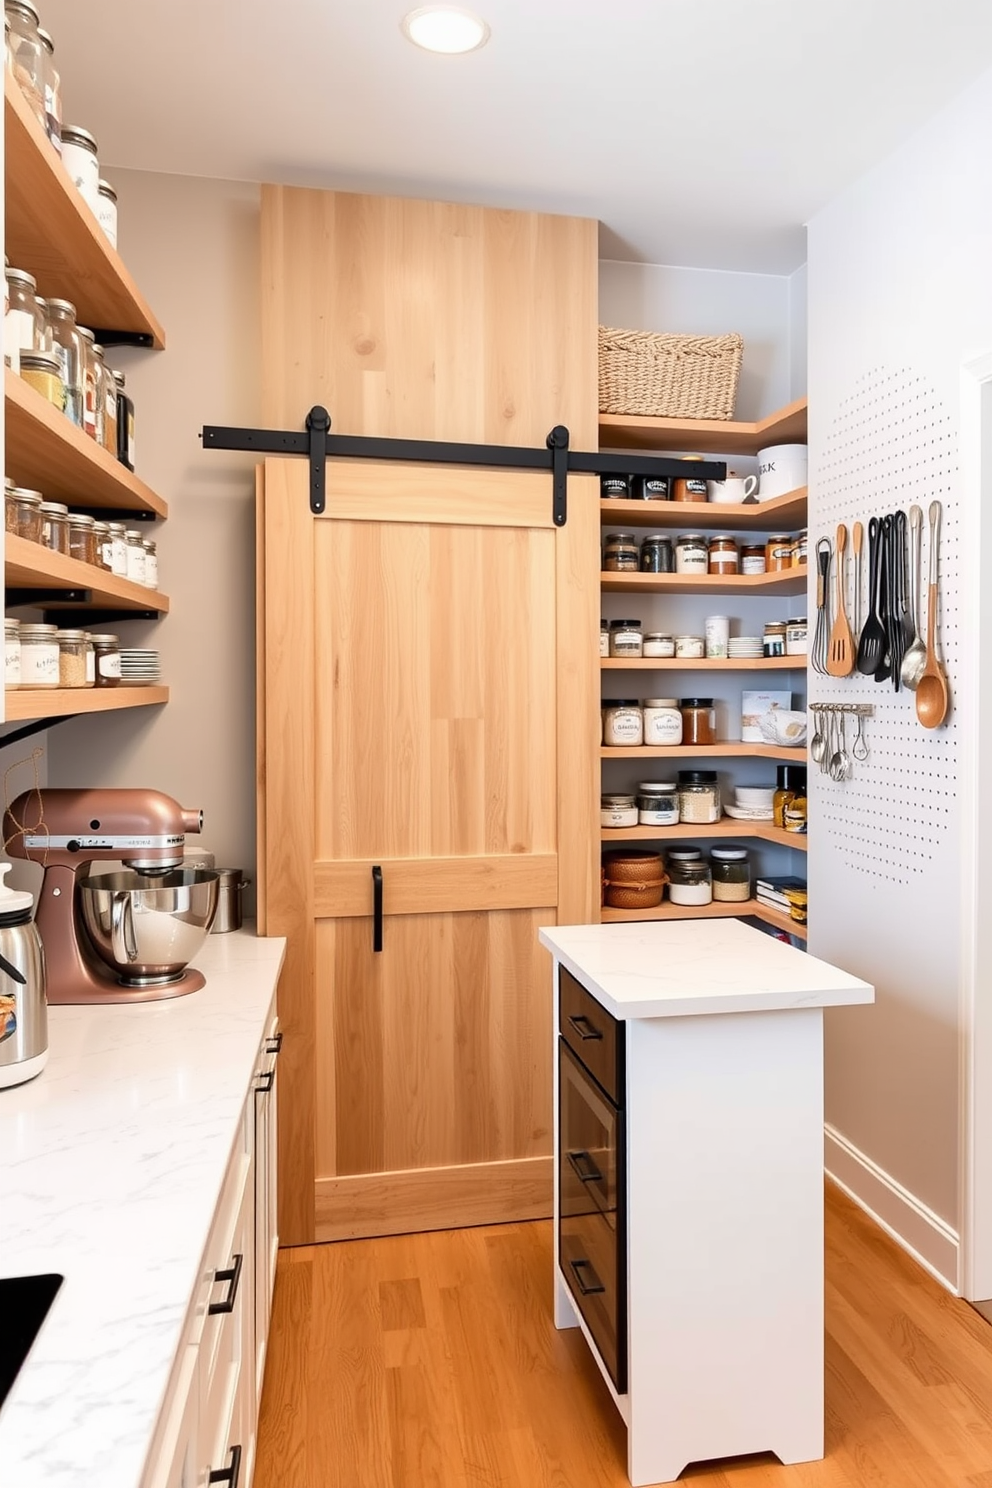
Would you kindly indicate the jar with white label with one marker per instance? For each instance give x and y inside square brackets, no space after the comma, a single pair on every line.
[12,653]
[623,723]
[662,721]
[795,637]
[55,526]
[690,648]
[657,644]
[135,556]
[107,654]
[626,638]
[657,803]
[151,562]
[692,553]
[618,810]
[22,326]
[604,638]
[118,548]
[79,156]
[52,91]
[106,212]
[39,656]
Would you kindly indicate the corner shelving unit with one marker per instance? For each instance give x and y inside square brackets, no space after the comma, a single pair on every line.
[781,513]
[51,232]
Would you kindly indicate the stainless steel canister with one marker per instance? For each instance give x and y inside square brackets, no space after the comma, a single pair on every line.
[230,894]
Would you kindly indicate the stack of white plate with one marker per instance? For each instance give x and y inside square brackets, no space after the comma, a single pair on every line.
[139,668]
[740,647]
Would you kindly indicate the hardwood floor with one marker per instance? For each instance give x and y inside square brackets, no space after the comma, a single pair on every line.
[427,1360]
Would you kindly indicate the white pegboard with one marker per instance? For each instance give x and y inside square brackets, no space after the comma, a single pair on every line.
[891,443]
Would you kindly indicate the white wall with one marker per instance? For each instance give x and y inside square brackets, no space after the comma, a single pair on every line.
[900,295]
[798,332]
[192,246]
[710,302]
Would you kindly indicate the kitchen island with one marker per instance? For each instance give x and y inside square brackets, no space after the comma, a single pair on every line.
[689,1191]
[111,1165]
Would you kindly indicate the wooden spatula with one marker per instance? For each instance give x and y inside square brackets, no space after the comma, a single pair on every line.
[840,662]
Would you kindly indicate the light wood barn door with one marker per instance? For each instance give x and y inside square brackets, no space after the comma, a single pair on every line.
[422,690]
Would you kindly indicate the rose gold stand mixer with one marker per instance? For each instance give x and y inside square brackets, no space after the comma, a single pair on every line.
[66,831]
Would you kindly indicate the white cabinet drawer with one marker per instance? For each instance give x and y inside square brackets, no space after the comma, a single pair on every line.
[227,1353]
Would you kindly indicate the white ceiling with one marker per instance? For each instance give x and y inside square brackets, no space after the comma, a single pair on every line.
[700,132]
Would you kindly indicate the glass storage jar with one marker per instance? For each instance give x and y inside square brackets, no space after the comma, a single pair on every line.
[42,326]
[699,796]
[690,648]
[79,156]
[39,656]
[151,562]
[618,810]
[723,556]
[688,488]
[795,636]
[12,653]
[731,874]
[107,212]
[52,91]
[42,370]
[125,423]
[657,644]
[72,658]
[690,882]
[778,552]
[88,349]
[692,552]
[101,377]
[752,558]
[27,54]
[773,643]
[623,723]
[626,638]
[657,554]
[107,655]
[22,330]
[55,526]
[26,508]
[657,803]
[698,720]
[110,412]
[68,348]
[684,855]
[82,537]
[620,554]
[614,487]
[118,549]
[651,488]
[101,532]
[604,638]
[135,556]
[662,721]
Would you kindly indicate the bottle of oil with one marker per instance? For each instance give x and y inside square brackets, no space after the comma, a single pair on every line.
[790,784]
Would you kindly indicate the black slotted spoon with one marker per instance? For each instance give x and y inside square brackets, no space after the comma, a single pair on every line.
[874,640]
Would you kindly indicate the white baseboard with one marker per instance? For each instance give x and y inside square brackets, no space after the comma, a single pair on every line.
[928,1238]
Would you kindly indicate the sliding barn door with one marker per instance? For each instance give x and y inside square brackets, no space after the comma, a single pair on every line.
[428,695]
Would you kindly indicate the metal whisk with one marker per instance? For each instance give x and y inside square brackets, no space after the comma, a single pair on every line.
[820,654]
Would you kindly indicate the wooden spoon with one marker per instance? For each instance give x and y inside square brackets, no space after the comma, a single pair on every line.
[840,662]
[932,699]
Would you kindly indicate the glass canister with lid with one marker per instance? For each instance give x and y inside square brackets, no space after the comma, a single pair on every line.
[68,348]
[657,554]
[151,562]
[55,526]
[89,375]
[21,325]
[731,874]
[27,53]
[623,723]
[82,537]
[618,809]
[698,720]
[107,212]
[657,803]
[107,655]
[692,553]
[42,370]
[81,160]
[39,656]
[690,881]
[23,512]
[72,658]
[699,797]
[117,542]
[101,532]
[620,553]
[626,638]
[135,555]
[52,91]
[662,721]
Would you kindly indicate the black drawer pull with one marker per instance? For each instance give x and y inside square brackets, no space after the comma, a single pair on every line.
[266,1080]
[274,1044]
[583,1027]
[585,1168]
[377,908]
[232,1275]
[595,1284]
[231,1473]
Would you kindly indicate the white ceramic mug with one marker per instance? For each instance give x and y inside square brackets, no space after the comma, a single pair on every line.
[781,468]
[736,488]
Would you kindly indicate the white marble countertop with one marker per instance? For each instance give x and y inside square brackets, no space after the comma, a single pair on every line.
[111,1166]
[675,968]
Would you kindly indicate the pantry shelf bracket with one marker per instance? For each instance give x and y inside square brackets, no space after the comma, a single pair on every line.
[105,337]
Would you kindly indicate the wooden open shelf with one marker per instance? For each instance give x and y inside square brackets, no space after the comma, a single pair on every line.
[685,831]
[703,436]
[51,232]
[729,749]
[48,453]
[780,514]
[31,566]
[787,581]
[57,702]
[704,664]
[747,909]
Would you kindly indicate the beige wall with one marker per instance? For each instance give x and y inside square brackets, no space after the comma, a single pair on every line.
[193,247]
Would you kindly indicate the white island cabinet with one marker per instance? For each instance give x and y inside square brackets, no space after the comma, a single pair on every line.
[140,1167]
[689,1188]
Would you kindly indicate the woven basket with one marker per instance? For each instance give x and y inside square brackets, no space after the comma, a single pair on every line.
[667,376]
[634,880]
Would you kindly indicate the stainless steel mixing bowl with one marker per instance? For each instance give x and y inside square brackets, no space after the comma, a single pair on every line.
[148,927]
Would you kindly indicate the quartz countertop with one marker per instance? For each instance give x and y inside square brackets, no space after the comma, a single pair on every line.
[679,968]
[111,1166]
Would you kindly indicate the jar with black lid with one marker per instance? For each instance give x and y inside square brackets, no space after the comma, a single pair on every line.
[107,656]
[620,553]
[698,720]
[657,554]
[614,487]
[652,488]
[699,797]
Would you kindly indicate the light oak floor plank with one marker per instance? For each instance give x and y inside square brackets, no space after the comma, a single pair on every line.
[432,1361]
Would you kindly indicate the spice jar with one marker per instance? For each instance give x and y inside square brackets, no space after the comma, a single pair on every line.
[662,721]
[688,488]
[690,882]
[72,658]
[753,558]
[698,720]
[42,326]
[55,526]
[619,810]
[778,553]
[39,656]
[27,54]
[107,652]
[42,370]
[89,379]
[690,648]
[651,488]
[25,507]
[723,557]
[118,549]
[12,653]
[109,412]
[657,644]
[657,554]
[691,552]
[773,642]
[21,329]
[106,212]
[101,533]
[623,723]
[731,874]
[79,156]
[101,377]
[699,797]
[52,91]
[790,782]
[68,348]
[125,423]
[620,553]
[795,636]
[135,556]
[657,803]
[626,638]
[151,562]
[800,548]
[614,487]
[604,638]
[82,537]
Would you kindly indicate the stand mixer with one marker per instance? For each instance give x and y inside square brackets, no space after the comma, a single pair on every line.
[66,831]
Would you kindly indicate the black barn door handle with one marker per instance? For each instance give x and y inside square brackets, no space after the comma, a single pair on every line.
[377,908]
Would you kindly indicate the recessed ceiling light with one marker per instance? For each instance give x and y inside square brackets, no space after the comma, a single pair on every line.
[445,28]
